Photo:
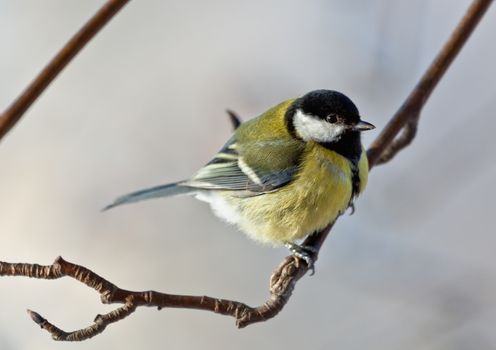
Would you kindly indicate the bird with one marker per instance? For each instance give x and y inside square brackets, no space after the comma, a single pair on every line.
[285,174]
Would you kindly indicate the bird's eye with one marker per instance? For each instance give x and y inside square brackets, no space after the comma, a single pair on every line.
[332,118]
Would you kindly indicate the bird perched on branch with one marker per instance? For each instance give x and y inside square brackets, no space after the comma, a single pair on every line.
[285,174]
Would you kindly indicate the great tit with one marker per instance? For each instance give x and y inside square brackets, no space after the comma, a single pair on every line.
[285,174]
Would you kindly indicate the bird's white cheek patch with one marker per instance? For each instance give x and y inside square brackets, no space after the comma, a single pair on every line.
[311,128]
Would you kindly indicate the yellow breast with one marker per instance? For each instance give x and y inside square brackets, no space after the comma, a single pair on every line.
[320,192]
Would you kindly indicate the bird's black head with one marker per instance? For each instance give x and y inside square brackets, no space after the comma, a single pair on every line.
[329,105]
[324,116]
[330,119]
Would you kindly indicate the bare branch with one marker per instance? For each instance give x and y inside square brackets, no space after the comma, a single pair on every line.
[100,323]
[409,112]
[401,141]
[284,279]
[17,109]
[282,283]
[281,286]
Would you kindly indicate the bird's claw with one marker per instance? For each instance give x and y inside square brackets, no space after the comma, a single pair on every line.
[352,208]
[304,253]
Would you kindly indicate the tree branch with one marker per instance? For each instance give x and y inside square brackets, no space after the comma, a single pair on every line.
[385,146]
[287,273]
[284,279]
[16,110]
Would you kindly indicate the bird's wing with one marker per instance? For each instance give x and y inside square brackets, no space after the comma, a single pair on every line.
[232,169]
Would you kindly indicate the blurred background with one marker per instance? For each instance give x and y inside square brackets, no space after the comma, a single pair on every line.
[144,103]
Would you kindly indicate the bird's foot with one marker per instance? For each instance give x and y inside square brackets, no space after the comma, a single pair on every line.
[305,253]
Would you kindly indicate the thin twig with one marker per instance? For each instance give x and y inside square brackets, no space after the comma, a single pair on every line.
[284,278]
[405,137]
[409,112]
[99,324]
[110,293]
[20,105]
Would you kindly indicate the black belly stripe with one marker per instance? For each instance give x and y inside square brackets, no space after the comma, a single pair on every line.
[355,182]
[349,146]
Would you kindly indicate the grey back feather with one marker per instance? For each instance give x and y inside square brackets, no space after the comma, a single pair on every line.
[167,190]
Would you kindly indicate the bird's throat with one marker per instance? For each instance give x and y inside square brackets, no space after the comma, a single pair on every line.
[349,146]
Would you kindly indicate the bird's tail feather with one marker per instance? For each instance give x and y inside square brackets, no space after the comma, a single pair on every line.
[152,192]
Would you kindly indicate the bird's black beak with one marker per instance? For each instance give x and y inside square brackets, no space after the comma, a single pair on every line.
[362,126]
